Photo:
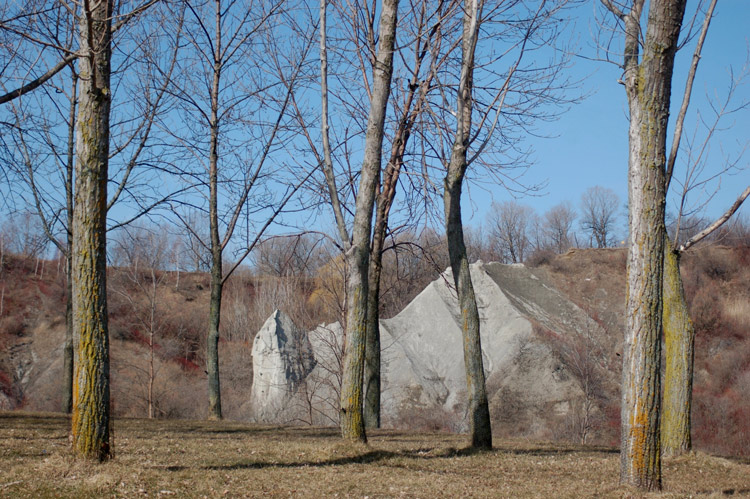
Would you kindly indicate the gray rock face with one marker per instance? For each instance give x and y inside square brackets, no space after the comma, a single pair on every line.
[423,378]
[282,359]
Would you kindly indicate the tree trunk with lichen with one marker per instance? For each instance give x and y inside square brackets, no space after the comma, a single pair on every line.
[357,256]
[478,411]
[91,411]
[648,87]
[679,343]
[212,346]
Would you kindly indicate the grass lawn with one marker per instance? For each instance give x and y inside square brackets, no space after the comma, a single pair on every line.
[155,458]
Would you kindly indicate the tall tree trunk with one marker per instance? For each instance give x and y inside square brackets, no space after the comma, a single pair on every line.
[479,413]
[67,404]
[151,336]
[679,346]
[212,348]
[357,257]
[386,193]
[214,314]
[679,340]
[372,334]
[151,374]
[91,411]
[648,86]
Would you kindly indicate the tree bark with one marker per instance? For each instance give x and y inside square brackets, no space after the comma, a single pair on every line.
[679,343]
[91,411]
[386,193]
[214,314]
[357,256]
[478,410]
[648,87]
[212,347]
[372,332]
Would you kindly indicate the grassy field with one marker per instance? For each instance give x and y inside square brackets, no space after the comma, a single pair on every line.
[156,458]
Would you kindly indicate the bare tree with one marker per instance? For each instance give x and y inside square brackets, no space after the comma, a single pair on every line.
[287,255]
[358,252]
[419,54]
[557,226]
[23,235]
[424,25]
[91,410]
[648,80]
[145,251]
[679,343]
[679,334]
[496,104]
[479,412]
[234,103]
[599,206]
[510,224]
[44,130]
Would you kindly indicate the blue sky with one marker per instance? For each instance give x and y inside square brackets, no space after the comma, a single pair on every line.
[589,144]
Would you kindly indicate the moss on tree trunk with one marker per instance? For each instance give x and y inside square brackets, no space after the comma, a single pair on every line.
[357,256]
[478,411]
[679,343]
[648,86]
[91,411]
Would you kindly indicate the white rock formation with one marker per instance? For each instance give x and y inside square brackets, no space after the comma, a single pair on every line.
[282,359]
[423,378]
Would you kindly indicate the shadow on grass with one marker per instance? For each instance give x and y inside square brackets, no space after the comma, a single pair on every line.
[213,428]
[38,421]
[555,452]
[421,454]
[366,458]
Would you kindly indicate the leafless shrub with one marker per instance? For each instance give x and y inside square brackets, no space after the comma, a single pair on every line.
[585,356]
[540,257]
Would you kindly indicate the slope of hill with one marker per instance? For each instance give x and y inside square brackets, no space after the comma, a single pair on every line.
[717,281]
[717,287]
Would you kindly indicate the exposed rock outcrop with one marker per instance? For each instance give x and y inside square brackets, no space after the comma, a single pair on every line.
[282,359]
[531,389]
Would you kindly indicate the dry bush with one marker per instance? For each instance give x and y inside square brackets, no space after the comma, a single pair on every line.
[716,264]
[717,288]
[410,265]
[237,315]
[12,325]
[236,374]
[289,294]
[586,356]
[327,300]
[540,257]
[177,393]
[415,417]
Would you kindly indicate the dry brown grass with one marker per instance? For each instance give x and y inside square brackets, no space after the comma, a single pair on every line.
[213,459]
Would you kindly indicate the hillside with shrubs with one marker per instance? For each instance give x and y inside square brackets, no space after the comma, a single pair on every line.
[158,327]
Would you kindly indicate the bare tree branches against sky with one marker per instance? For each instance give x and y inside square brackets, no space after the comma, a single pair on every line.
[590,138]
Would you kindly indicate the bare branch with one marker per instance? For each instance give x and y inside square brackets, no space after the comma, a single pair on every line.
[34,84]
[718,223]
[614,9]
[327,161]
[686,96]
